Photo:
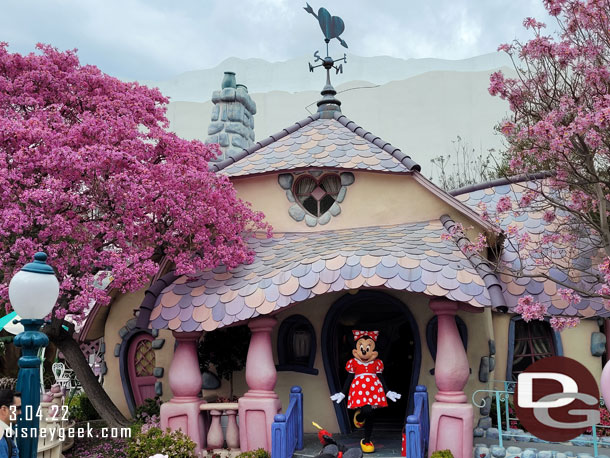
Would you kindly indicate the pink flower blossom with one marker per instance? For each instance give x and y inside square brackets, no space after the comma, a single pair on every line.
[530,310]
[504,204]
[89,174]
[569,295]
[561,323]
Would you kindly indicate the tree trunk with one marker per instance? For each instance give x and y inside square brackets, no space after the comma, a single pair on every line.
[96,394]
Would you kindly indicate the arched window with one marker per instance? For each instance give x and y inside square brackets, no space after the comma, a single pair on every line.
[432,334]
[296,345]
[529,342]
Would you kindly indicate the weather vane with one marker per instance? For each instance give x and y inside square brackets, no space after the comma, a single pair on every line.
[332,27]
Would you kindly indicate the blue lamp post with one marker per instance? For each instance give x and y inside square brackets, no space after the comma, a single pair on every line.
[33,292]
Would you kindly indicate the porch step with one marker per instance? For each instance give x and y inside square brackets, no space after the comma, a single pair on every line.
[386,444]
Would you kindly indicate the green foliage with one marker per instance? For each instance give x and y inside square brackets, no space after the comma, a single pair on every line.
[226,349]
[512,415]
[150,407]
[258,453]
[442,454]
[171,443]
[81,409]
[136,428]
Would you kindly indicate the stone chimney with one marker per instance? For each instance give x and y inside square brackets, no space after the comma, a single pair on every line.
[232,125]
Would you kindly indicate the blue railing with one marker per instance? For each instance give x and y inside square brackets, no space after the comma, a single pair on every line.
[287,429]
[502,400]
[417,430]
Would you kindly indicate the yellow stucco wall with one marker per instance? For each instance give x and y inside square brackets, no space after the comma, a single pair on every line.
[500,325]
[576,343]
[373,199]
[122,311]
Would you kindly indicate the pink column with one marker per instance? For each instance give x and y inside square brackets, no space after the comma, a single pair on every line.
[451,417]
[260,404]
[182,411]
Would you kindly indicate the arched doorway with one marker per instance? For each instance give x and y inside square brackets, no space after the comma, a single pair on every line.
[140,367]
[399,349]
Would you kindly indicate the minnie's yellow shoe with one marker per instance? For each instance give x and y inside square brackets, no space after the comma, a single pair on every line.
[357,423]
[367,447]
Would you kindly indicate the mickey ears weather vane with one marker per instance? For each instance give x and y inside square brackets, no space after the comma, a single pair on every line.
[332,27]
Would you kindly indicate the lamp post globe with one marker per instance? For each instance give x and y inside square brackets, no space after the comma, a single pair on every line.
[34,289]
[33,292]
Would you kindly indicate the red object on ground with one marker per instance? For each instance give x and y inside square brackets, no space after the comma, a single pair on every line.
[403,447]
[321,435]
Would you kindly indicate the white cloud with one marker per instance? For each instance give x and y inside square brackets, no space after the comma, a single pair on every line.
[155,39]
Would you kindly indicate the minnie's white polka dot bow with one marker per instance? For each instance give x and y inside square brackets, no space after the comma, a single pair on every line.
[372,334]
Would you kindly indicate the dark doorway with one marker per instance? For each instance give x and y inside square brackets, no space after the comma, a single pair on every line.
[398,345]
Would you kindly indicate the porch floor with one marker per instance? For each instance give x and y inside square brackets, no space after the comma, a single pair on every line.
[387,444]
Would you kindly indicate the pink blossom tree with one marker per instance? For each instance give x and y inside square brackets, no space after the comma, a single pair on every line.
[90,175]
[560,122]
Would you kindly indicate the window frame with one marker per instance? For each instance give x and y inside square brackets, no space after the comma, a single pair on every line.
[318,180]
[556,341]
[284,337]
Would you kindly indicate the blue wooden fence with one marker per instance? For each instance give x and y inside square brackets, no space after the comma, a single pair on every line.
[287,429]
[417,430]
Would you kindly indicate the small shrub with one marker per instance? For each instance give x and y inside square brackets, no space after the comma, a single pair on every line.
[514,422]
[154,441]
[81,409]
[258,453]
[442,454]
[149,408]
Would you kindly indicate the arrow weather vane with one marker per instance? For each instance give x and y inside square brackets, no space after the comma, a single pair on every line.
[332,27]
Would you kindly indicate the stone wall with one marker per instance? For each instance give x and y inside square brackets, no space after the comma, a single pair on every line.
[232,123]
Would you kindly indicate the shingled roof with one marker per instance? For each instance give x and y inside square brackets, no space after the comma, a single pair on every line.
[293,267]
[486,197]
[337,142]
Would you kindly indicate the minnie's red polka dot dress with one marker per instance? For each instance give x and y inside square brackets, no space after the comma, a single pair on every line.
[366,389]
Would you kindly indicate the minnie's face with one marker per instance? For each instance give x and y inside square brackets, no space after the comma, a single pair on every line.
[365,350]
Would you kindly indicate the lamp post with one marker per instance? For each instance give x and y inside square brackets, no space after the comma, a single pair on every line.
[33,292]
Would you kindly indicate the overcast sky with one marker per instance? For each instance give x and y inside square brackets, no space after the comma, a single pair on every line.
[157,39]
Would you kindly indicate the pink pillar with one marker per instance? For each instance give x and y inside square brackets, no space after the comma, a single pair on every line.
[182,411]
[451,417]
[260,404]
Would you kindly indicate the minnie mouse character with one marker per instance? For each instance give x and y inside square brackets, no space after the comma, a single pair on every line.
[367,388]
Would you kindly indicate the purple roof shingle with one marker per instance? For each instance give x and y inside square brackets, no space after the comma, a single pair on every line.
[293,267]
[531,220]
[316,142]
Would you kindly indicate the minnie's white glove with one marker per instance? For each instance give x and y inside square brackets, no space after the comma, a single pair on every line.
[393,396]
[338,397]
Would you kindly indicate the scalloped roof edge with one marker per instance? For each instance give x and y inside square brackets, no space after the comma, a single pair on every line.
[396,153]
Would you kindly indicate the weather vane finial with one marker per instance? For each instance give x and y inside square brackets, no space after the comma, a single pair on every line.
[332,27]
